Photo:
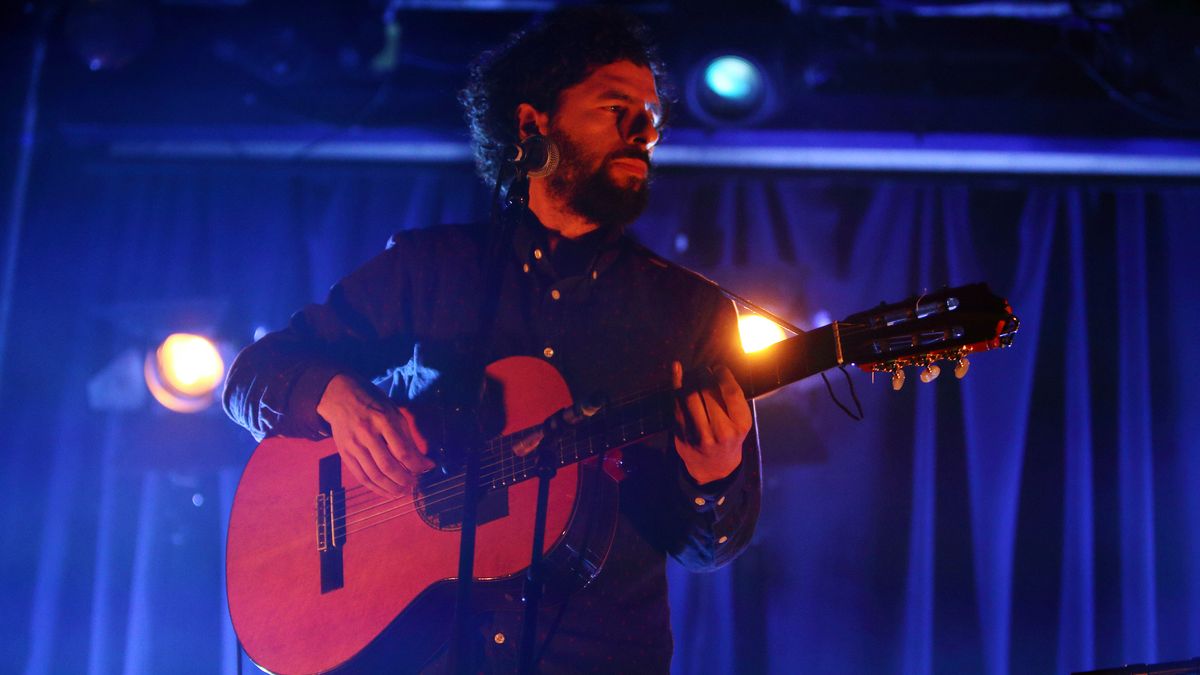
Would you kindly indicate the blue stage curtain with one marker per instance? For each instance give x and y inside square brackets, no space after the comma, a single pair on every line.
[1039,516]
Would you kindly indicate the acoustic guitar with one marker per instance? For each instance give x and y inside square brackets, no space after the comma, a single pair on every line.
[325,575]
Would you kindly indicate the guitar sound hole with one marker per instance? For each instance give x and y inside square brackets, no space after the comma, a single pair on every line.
[440,502]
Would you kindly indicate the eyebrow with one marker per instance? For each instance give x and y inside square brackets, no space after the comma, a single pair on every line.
[616,94]
[619,95]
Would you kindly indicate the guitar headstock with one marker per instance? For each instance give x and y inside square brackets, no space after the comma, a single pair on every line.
[945,325]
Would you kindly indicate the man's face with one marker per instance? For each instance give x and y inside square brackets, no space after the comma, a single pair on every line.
[606,128]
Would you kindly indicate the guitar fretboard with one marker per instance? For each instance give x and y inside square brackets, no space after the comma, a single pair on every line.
[612,427]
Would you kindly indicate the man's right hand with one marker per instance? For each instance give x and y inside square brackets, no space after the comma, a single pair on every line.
[378,441]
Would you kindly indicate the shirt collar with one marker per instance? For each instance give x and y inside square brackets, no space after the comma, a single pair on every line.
[531,244]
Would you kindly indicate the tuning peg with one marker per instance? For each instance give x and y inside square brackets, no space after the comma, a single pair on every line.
[961,368]
[898,379]
[930,373]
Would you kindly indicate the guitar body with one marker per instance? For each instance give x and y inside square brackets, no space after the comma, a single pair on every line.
[298,609]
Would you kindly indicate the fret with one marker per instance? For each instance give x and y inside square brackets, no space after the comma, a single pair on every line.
[505,466]
[509,466]
[510,469]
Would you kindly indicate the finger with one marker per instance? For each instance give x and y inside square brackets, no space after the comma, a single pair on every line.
[402,447]
[358,460]
[527,444]
[691,414]
[352,465]
[409,424]
[372,452]
[685,431]
[698,418]
[736,405]
[718,420]
[681,431]
[393,467]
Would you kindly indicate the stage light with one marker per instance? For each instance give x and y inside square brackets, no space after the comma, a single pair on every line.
[732,78]
[183,372]
[758,332]
[729,89]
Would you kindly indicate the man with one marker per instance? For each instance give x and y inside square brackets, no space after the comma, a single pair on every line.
[576,293]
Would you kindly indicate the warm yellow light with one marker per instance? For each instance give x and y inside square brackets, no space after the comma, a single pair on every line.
[758,332]
[190,363]
[183,372]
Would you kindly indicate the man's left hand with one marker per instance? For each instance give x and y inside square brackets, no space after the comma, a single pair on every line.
[711,425]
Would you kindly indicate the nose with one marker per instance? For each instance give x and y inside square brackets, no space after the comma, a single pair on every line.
[642,130]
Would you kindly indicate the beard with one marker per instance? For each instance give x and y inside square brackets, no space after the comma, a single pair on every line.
[592,193]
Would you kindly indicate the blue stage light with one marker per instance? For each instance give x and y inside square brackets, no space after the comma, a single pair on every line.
[729,88]
[733,78]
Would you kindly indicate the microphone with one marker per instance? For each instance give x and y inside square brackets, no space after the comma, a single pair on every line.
[537,156]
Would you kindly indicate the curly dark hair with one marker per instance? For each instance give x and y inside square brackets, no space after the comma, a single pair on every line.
[536,64]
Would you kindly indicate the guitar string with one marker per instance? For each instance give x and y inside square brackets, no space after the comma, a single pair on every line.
[645,394]
[355,493]
[457,484]
[366,502]
[500,447]
[398,511]
[513,464]
[509,439]
[453,490]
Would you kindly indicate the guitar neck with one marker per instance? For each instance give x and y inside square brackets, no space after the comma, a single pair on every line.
[628,421]
[787,361]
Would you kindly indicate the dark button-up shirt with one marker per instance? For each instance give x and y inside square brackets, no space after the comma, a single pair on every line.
[611,317]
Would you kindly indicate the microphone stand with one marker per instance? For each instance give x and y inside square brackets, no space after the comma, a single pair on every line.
[518,197]
[532,595]
[552,430]
[462,652]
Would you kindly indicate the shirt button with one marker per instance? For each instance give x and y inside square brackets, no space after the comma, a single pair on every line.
[525,268]
[699,501]
[595,274]
[722,540]
[537,253]
[498,638]
[549,352]
[555,294]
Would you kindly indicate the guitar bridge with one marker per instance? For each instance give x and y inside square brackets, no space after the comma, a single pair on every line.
[331,522]
[331,531]
[323,520]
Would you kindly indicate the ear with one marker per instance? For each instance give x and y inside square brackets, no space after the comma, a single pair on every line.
[531,122]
